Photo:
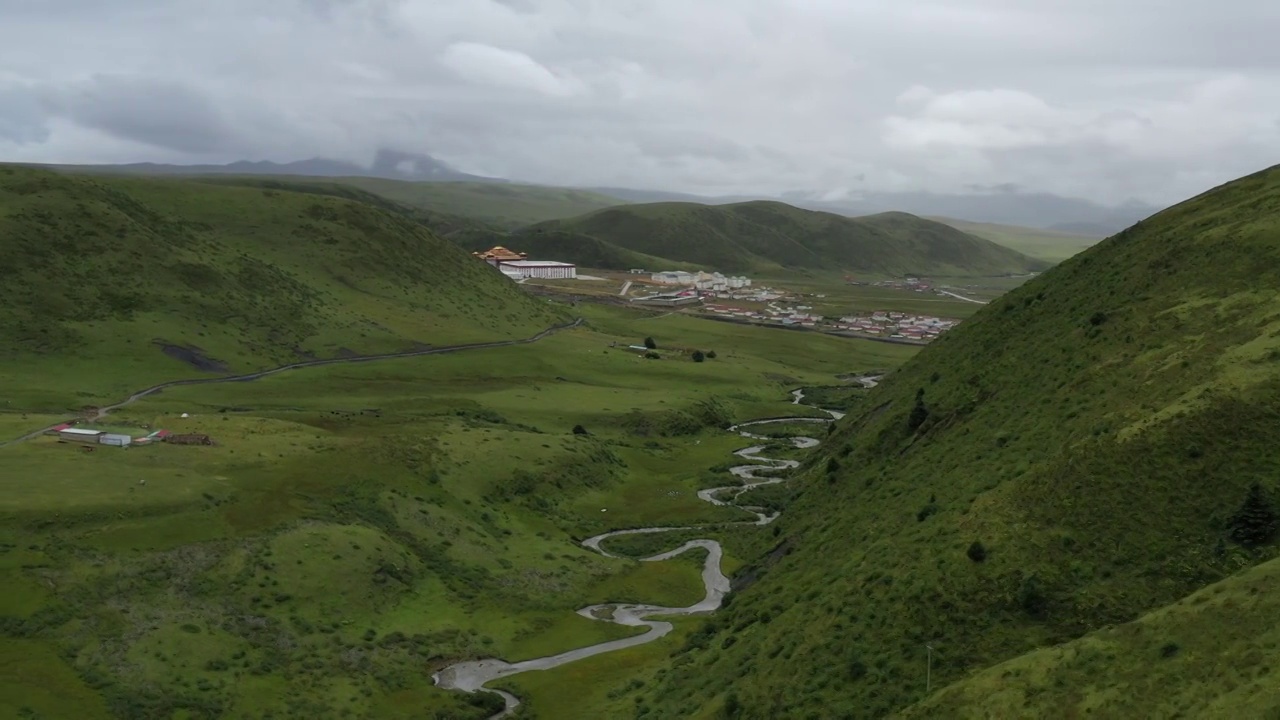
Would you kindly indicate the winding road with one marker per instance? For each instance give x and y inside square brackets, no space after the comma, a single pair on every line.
[104,411]
[474,675]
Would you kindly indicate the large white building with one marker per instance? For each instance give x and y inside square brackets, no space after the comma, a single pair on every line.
[702,280]
[538,269]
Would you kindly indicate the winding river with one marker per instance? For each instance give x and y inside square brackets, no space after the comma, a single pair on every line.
[474,675]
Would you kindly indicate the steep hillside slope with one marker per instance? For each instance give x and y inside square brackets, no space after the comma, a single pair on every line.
[1069,458]
[1049,245]
[1208,655]
[768,235]
[115,282]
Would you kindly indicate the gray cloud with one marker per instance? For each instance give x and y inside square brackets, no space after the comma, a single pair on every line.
[1154,99]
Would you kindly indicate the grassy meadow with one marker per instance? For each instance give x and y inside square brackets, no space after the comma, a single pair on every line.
[357,526]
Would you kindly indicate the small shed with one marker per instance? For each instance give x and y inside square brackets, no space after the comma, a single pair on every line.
[79,435]
[116,440]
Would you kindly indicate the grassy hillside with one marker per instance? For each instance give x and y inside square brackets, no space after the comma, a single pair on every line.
[500,204]
[1207,655]
[1093,430]
[762,236]
[1049,245]
[550,244]
[116,283]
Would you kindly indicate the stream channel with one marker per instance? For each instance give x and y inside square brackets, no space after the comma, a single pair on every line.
[473,675]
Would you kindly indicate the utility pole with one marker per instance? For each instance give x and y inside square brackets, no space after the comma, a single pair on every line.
[928,671]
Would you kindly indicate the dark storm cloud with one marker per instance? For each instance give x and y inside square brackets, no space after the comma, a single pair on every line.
[1146,98]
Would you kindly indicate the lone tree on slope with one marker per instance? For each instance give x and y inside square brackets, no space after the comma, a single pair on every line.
[1255,523]
[579,430]
[698,356]
[649,343]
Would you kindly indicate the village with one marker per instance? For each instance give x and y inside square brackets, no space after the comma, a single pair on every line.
[716,295]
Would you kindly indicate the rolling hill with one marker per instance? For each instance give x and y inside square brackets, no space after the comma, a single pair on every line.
[113,283]
[1070,459]
[1048,245]
[756,236]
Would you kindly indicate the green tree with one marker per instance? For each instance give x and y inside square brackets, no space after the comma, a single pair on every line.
[649,343]
[1255,522]
[977,552]
[698,356]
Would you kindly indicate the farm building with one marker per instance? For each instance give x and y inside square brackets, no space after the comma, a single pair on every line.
[116,440]
[540,268]
[79,435]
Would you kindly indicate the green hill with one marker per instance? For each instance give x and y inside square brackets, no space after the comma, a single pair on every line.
[502,205]
[114,283]
[761,236]
[1049,245]
[1074,460]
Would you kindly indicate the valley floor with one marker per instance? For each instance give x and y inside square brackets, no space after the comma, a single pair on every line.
[357,527]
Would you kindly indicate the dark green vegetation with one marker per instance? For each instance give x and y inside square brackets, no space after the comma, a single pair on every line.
[755,236]
[101,274]
[1097,431]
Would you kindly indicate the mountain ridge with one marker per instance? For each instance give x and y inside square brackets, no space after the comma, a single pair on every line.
[1010,207]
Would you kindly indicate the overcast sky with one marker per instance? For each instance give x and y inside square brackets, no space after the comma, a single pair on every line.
[1103,99]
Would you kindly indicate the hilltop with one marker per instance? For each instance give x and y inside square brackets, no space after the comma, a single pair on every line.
[760,236]
[117,282]
[1049,245]
[1067,460]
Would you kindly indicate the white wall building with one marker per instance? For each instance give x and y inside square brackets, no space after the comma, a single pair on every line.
[673,277]
[540,269]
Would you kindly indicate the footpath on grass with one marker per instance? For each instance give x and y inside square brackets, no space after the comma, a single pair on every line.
[472,676]
[104,411]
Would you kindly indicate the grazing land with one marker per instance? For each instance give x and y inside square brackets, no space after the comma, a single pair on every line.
[355,527]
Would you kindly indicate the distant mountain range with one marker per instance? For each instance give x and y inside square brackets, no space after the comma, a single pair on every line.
[387,164]
[1009,207]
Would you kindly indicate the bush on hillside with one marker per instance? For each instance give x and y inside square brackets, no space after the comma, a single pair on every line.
[919,413]
[711,354]
[698,356]
[652,356]
[977,552]
[579,430]
[1255,522]
[649,343]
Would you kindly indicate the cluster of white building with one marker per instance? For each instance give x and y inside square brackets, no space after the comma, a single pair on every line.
[897,325]
[714,282]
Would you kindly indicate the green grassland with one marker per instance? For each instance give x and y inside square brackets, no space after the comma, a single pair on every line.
[1048,245]
[1094,430]
[100,272]
[764,236]
[357,526]
[1208,655]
